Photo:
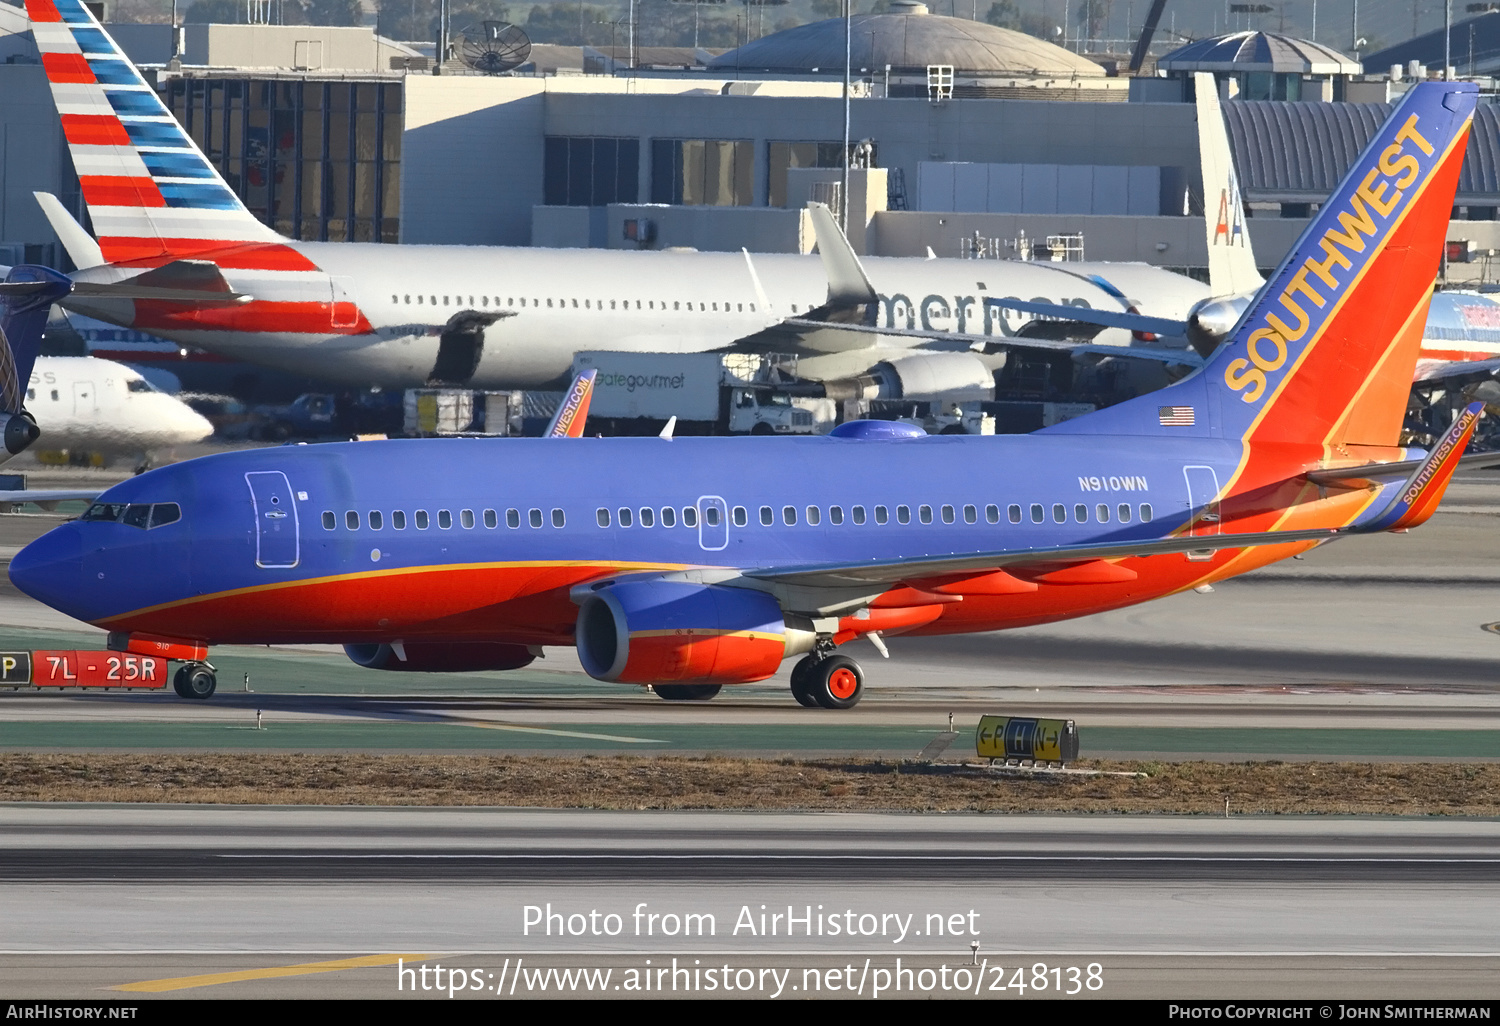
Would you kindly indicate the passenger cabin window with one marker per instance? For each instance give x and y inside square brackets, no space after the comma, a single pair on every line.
[813,516]
[767,516]
[648,516]
[789,515]
[1081,513]
[534,517]
[971,515]
[1124,511]
[668,516]
[1037,513]
[947,514]
[376,520]
[835,514]
[739,517]
[1059,513]
[625,517]
[420,519]
[559,518]
[602,515]
[857,514]
[1103,512]
[398,520]
[903,514]
[924,514]
[513,518]
[1013,513]
[881,515]
[329,520]
[690,516]
[491,519]
[351,520]
[445,520]
[1145,512]
[466,518]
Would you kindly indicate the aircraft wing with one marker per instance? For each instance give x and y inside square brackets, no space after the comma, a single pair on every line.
[1456,371]
[869,335]
[48,499]
[842,322]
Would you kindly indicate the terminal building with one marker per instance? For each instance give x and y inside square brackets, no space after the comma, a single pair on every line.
[966,140]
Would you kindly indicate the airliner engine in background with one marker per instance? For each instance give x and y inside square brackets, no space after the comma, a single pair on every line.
[402,316]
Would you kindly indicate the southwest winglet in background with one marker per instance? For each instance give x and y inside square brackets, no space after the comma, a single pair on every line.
[695,562]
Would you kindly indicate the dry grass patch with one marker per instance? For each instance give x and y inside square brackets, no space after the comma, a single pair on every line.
[634,782]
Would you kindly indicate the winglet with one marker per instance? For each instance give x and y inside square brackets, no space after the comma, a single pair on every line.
[847,283]
[1231,258]
[81,247]
[1419,497]
[573,411]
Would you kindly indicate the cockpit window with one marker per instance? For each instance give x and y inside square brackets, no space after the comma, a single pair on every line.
[164,513]
[139,385]
[111,511]
[136,514]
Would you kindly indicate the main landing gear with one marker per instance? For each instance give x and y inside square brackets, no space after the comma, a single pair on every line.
[195,680]
[827,680]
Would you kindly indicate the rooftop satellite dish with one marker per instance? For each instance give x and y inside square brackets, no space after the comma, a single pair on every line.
[500,48]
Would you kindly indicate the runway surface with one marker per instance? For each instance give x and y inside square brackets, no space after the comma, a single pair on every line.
[100,897]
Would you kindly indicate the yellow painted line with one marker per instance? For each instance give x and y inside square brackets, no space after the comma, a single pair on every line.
[275,972]
[492,725]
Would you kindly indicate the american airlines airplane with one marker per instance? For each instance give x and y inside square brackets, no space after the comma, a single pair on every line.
[403,316]
[690,564]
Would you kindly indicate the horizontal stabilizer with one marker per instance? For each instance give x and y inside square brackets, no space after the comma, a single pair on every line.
[181,281]
[81,247]
[1405,468]
[1417,501]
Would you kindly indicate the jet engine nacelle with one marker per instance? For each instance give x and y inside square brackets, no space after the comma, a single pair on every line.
[1211,321]
[18,431]
[950,377]
[659,631]
[438,657]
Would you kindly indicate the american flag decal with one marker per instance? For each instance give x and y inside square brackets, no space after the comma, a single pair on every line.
[1175,416]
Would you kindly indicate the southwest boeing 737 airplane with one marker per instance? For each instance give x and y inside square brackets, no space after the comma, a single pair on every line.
[689,564]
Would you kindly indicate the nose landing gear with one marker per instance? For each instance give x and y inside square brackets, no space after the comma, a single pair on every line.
[829,681]
[195,680]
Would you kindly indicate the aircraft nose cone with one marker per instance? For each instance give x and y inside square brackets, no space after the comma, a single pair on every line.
[50,569]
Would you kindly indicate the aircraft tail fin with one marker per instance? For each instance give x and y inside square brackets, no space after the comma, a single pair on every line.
[1326,351]
[150,191]
[1231,258]
[573,412]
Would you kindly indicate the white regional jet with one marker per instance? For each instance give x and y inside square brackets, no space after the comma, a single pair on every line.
[82,403]
[402,316]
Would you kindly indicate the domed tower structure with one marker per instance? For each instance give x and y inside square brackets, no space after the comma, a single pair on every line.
[894,52]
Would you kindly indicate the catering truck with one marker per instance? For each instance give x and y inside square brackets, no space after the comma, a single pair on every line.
[708,393]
